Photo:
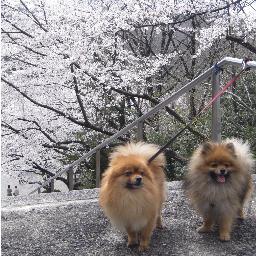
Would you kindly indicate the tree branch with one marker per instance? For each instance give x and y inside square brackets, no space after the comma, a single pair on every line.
[8,126]
[34,17]
[72,65]
[42,105]
[193,15]
[169,110]
[26,47]
[241,42]
[83,124]
[45,171]
[16,27]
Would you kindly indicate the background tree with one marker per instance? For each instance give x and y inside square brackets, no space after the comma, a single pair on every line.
[75,72]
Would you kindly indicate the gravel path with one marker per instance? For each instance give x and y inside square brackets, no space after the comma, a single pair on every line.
[73,224]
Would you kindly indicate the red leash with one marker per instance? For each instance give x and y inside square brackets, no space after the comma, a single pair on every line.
[214,98]
[221,92]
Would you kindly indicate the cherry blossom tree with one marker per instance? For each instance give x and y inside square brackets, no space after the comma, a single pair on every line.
[75,72]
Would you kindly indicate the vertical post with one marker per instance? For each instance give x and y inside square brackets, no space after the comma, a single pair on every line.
[70,177]
[52,185]
[39,190]
[140,131]
[97,168]
[216,111]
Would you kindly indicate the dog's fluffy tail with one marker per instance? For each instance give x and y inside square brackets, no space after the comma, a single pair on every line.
[243,153]
[142,149]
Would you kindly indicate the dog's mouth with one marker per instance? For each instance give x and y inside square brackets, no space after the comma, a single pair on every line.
[219,178]
[130,185]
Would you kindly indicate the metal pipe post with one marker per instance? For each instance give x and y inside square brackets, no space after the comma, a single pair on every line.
[216,111]
[70,176]
[97,168]
[52,185]
[140,131]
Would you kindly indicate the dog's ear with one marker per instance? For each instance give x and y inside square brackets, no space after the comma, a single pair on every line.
[231,148]
[206,148]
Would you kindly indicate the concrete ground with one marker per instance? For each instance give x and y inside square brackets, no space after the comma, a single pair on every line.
[73,224]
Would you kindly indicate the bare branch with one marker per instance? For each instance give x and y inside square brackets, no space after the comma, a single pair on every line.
[169,110]
[72,65]
[16,27]
[34,17]
[8,126]
[26,47]
[47,172]
[241,42]
[193,15]
[83,124]
[39,129]
[43,105]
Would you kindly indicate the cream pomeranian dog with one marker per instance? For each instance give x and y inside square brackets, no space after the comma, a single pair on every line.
[132,191]
[218,183]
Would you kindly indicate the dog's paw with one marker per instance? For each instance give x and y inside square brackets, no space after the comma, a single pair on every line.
[159,226]
[241,215]
[143,247]
[132,240]
[204,229]
[132,243]
[224,237]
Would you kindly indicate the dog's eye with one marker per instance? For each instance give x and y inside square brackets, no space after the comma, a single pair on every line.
[227,165]
[141,173]
[128,173]
[213,164]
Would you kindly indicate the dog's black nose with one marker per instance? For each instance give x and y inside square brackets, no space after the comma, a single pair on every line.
[222,171]
[138,181]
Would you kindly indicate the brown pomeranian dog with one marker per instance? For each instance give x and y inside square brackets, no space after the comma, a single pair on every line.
[218,183]
[132,191]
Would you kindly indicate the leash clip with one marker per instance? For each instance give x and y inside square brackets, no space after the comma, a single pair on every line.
[217,69]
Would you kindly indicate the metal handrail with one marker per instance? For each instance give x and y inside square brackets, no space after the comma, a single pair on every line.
[208,73]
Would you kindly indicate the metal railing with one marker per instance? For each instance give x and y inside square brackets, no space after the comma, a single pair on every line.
[216,118]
